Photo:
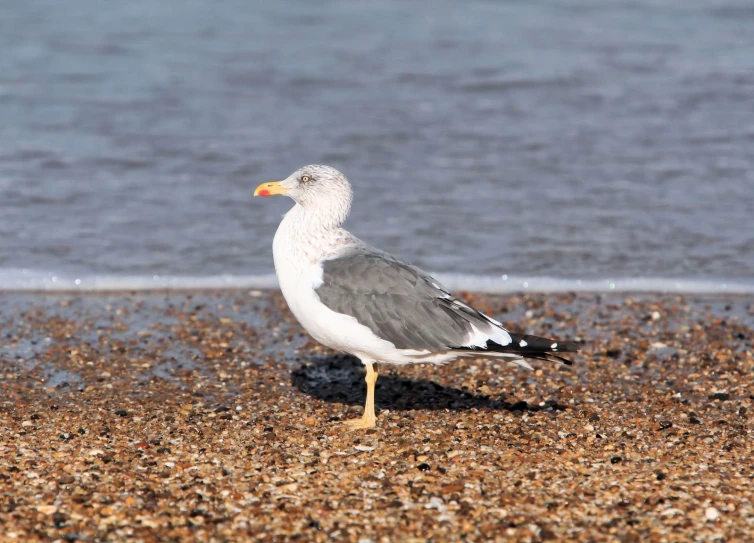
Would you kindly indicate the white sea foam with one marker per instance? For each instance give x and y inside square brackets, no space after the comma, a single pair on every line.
[36,281]
[506,284]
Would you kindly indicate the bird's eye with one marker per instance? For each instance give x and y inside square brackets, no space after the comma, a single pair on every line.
[306,178]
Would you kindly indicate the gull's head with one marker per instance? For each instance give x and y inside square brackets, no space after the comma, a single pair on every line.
[315,187]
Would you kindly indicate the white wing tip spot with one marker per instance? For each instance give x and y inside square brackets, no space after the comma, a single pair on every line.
[523,343]
[554,346]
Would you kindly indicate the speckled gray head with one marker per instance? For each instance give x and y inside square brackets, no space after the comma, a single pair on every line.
[314,186]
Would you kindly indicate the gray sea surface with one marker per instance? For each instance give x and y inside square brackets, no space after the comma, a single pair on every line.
[577,140]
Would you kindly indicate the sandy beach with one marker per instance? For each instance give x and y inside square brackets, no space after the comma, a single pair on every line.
[213,417]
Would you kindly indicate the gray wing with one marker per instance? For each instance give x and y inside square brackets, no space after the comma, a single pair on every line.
[397,301]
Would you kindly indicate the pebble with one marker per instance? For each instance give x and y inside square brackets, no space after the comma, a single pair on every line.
[224,421]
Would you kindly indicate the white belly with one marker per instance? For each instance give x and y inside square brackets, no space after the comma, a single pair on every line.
[299,273]
[334,330]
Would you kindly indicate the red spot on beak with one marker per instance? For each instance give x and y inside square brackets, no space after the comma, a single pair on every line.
[264,192]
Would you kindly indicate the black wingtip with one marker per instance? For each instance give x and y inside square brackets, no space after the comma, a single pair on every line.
[537,348]
[565,361]
[541,344]
[547,357]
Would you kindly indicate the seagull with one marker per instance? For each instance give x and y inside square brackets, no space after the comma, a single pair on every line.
[357,299]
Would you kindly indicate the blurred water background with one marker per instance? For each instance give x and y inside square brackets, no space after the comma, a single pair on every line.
[499,144]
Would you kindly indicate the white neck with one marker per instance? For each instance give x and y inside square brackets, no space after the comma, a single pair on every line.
[306,235]
[328,207]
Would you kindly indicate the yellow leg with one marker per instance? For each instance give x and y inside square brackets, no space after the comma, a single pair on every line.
[369,419]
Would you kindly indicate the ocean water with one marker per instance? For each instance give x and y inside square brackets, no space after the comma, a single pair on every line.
[582,145]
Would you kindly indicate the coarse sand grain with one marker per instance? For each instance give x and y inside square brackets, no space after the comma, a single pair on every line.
[211,416]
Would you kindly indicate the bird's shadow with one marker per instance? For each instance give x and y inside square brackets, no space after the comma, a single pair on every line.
[340,379]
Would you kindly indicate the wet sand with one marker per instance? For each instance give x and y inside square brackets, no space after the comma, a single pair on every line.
[213,417]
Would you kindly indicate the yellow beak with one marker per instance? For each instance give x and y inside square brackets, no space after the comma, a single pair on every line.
[270,189]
